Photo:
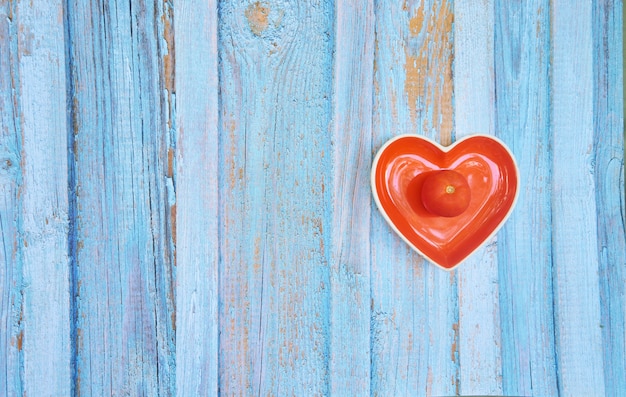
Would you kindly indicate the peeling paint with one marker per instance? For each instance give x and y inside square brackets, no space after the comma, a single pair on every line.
[26,40]
[428,70]
[173,223]
[257,16]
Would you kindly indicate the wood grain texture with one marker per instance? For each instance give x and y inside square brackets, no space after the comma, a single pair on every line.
[275,190]
[479,343]
[608,148]
[34,275]
[185,205]
[522,49]
[575,230]
[11,262]
[122,274]
[45,317]
[349,365]
[414,325]
[196,218]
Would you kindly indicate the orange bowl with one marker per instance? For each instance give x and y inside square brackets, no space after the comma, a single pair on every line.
[408,163]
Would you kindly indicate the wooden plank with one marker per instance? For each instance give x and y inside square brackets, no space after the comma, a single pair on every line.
[414,322]
[522,51]
[479,348]
[121,242]
[349,365]
[575,230]
[44,193]
[11,329]
[197,198]
[34,214]
[609,180]
[275,194]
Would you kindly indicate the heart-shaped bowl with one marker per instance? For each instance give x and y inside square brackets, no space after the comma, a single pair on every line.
[407,163]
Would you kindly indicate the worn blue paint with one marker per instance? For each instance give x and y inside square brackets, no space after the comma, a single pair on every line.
[196,218]
[34,265]
[608,148]
[11,364]
[522,62]
[575,232]
[122,262]
[350,297]
[44,200]
[184,203]
[275,196]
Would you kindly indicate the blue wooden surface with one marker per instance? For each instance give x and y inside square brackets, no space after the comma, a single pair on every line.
[34,219]
[609,172]
[574,227]
[120,239]
[525,255]
[275,197]
[350,296]
[185,205]
[195,217]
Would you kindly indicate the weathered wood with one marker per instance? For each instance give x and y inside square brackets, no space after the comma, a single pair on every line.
[45,317]
[522,50]
[349,366]
[414,321]
[479,348]
[609,179]
[196,219]
[255,142]
[11,286]
[575,231]
[34,275]
[275,194]
[121,241]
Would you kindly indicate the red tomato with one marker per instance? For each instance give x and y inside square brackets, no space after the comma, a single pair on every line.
[446,193]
